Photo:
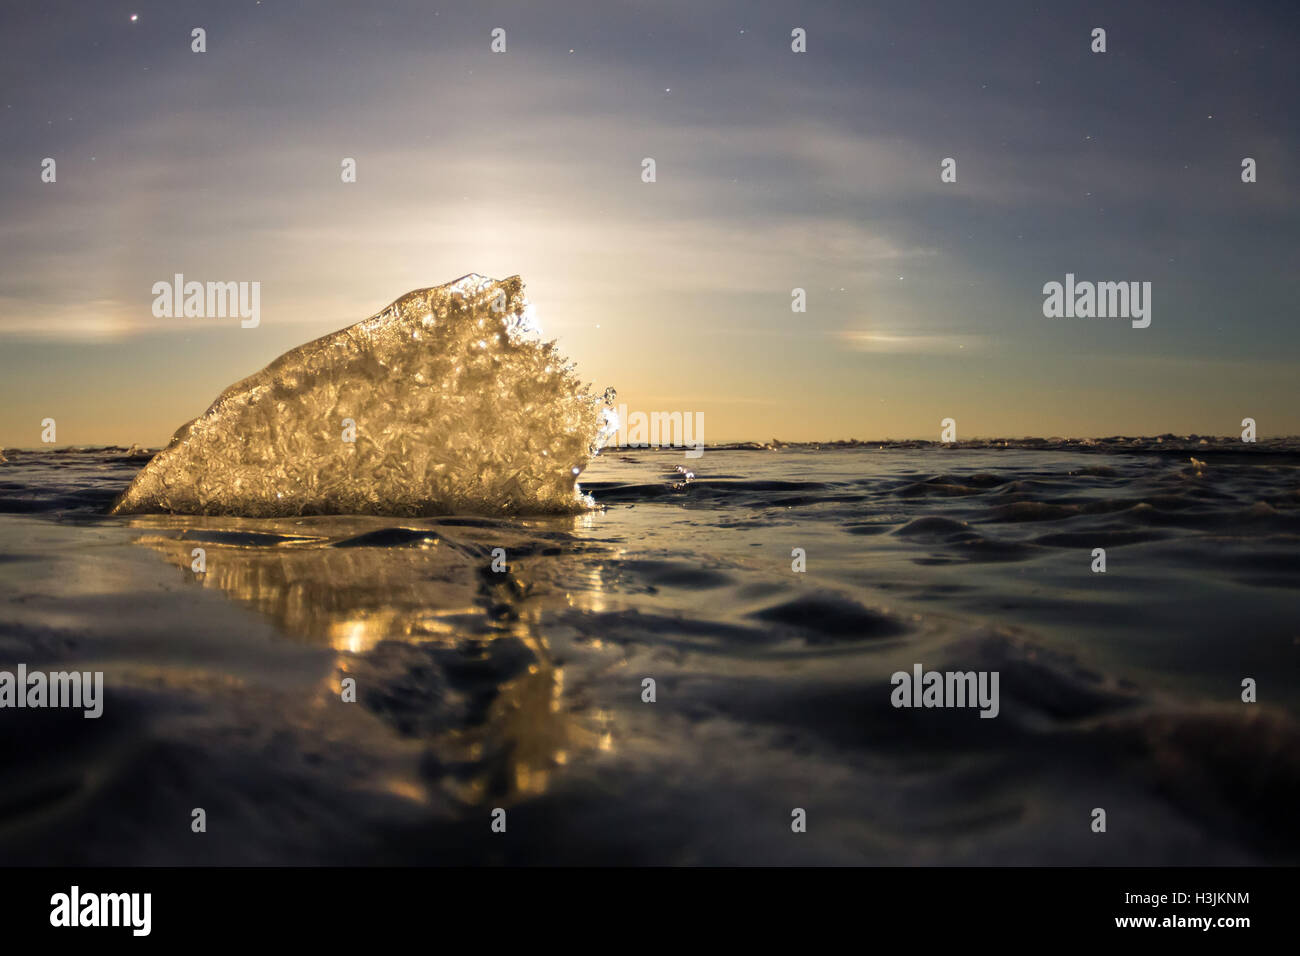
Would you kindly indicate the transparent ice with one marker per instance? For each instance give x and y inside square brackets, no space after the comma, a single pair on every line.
[459,407]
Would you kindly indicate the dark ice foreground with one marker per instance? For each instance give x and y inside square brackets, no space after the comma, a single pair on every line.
[523,690]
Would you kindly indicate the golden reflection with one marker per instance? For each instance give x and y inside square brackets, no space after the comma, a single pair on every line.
[361,586]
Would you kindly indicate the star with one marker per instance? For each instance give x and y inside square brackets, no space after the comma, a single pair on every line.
[135,17]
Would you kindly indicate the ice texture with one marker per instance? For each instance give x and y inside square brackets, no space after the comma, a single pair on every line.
[458,405]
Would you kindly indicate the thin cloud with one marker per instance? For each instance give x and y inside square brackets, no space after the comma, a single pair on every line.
[901,343]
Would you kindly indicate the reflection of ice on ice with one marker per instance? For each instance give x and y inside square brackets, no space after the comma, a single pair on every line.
[458,407]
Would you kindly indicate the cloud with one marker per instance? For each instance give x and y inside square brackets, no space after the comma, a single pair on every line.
[908,343]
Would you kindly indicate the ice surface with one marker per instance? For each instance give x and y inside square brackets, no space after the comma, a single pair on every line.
[458,407]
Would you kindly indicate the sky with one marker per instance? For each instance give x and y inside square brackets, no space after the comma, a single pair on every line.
[774,170]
